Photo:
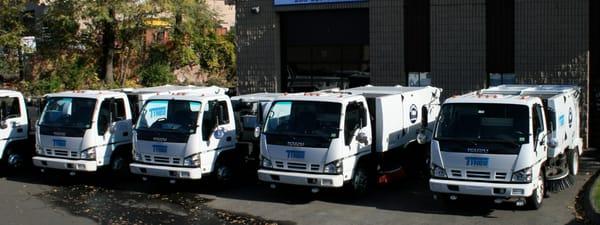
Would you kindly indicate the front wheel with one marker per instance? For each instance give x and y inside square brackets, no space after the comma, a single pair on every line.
[536,199]
[360,181]
[573,158]
[224,173]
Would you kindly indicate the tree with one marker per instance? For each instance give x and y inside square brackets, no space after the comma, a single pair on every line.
[11,31]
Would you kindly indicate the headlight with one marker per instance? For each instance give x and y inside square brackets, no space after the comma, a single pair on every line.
[192,161]
[39,150]
[89,153]
[437,171]
[523,175]
[136,155]
[335,167]
[265,163]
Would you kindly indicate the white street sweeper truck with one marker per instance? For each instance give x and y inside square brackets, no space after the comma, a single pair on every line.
[510,142]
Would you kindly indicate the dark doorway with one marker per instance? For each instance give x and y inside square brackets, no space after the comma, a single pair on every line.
[324,49]
[594,73]
[500,42]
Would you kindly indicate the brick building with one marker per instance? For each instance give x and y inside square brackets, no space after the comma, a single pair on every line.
[458,45]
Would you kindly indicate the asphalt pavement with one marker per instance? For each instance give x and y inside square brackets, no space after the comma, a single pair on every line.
[31,197]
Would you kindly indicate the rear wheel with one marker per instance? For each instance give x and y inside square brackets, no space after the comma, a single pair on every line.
[573,158]
[536,199]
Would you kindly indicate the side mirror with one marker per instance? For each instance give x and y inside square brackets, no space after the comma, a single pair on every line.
[257,132]
[422,137]
[3,124]
[362,138]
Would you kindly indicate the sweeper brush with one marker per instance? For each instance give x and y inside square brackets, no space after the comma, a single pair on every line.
[559,182]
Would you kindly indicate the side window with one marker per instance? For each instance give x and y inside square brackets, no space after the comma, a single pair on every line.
[119,110]
[222,113]
[209,120]
[537,120]
[104,117]
[355,119]
[9,108]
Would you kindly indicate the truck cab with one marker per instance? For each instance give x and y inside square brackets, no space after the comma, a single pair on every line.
[334,138]
[84,131]
[14,127]
[185,137]
[495,142]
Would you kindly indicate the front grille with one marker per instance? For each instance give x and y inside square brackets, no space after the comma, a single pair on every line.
[314,167]
[164,160]
[279,164]
[296,166]
[456,173]
[478,175]
[500,176]
[61,153]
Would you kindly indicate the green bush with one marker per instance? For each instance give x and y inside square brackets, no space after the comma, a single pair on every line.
[156,74]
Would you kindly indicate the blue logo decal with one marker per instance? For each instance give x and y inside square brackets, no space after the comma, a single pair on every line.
[59,143]
[158,111]
[477,161]
[561,120]
[291,154]
[159,149]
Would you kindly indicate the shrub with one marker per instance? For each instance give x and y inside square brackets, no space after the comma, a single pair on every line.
[156,74]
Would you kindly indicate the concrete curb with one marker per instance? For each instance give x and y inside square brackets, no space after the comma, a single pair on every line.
[592,213]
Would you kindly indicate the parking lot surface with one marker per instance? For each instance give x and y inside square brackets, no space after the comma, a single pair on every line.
[30,197]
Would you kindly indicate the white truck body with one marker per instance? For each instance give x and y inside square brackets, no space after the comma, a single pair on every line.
[80,130]
[505,141]
[183,136]
[14,124]
[320,139]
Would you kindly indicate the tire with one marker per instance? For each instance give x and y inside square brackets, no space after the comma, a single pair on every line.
[224,173]
[118,165]
[573,159]
[359,184]
[536,199]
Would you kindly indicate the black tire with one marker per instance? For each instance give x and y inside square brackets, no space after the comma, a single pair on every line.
[573,160]
[119,165]
[224,173]
[537,198]
[360,182]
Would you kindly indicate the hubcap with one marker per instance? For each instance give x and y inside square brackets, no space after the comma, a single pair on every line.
[118,164]
[575,163]
[224,173]
[540,190]
[15,160]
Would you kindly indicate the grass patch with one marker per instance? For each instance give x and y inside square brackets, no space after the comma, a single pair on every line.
[596,195]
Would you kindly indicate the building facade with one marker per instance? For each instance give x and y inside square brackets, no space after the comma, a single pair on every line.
[458,45]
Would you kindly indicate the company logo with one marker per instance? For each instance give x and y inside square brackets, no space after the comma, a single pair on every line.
[570,117]
[59,143]
[159,149]
[478,150]
[161,139]
[295,144]
[59,133]
[291,154]
[413,114]
[477,161]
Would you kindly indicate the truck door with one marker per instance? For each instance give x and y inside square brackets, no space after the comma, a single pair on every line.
[539,131]
[218,128]
[113,124]
[13,118]
[357,129]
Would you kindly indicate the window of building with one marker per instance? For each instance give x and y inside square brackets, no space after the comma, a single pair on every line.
[419,79]
[496,79]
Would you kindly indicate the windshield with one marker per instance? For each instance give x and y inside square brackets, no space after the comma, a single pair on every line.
[68,112]
[304,118]
[169,115]
[484,122]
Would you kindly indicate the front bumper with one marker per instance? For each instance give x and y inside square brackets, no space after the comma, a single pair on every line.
[304,179]
[65,164]
[166,171]
[507,190]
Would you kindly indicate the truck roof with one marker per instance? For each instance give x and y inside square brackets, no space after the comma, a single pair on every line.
[94,94]
[318,97]
[172,88]
[383,90]
[185,96]
[8,92]
[266,96]
[542,91]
